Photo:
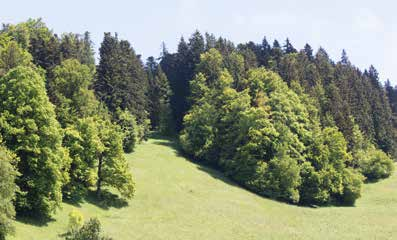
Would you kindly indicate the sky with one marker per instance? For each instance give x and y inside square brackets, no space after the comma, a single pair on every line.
[366,29]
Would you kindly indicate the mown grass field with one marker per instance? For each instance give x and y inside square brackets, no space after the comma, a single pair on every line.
[178,199]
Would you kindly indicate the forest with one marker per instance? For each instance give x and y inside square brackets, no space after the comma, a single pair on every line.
[288,124]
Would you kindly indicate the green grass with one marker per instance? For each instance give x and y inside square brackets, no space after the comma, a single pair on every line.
[178,199]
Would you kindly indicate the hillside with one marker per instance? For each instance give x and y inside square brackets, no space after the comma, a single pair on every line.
[178,199]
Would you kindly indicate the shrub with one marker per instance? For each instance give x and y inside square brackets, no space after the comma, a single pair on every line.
[76,220]
[374,164]
[282,179]
[91,230]
[129,127]
[352,183]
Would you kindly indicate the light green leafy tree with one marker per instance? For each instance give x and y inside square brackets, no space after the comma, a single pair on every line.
[30,129]
[69,90]
[8,188]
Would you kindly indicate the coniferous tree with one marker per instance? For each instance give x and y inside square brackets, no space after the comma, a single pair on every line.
[276,54]
[180,69]
[381,114]
[309,52]
[288,48]
[159,95]
[121,81]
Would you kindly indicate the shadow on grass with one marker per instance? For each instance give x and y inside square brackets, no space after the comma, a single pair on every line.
[107,200]
[168,141]
[33,220]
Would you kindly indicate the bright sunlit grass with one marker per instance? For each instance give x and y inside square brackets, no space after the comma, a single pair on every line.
[178,199]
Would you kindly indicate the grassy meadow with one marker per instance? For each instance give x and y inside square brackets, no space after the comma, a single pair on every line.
[178,199]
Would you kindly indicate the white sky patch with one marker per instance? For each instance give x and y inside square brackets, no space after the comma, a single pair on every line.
[187,7]
[279,18]
[239,19]
[390,60]
[366,20]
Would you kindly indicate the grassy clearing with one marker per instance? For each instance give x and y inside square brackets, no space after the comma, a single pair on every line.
[178,199]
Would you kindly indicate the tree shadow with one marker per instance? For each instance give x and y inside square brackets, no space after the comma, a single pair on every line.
[373,180]
[168,141]
[106,201]
[34,220]
[75,202]
[216,174]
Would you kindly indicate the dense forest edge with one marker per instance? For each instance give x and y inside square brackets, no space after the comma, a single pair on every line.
[288,124]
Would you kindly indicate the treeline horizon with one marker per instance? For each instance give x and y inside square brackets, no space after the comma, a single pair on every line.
[288,124]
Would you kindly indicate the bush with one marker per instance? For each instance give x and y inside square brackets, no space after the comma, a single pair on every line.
[352,183]
[282,179]
[91,230]
[312,189]
[129,127]
[76,220]
[374,164]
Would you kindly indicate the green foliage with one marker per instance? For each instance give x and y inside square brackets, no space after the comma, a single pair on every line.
[352,184]
[75,46]
[29,128]
[96,149]
[304,132]
[112,167]
[266,137]
[70,92]
[12,55]
[374,164]
[121,80]
[159,94]
[198,135]
[47,49]
[76,220]
[280,179]
[129,128]
[180,70]
[84,144]
[8,174]
[91,230]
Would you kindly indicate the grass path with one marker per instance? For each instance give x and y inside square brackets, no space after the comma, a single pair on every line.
[177,199]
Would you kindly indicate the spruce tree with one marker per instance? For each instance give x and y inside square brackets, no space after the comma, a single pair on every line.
[288,48]
[308,51]
[121,80]
[159,95]
[180,69]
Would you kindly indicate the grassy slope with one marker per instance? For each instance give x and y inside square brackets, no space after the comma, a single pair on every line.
[177,199]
